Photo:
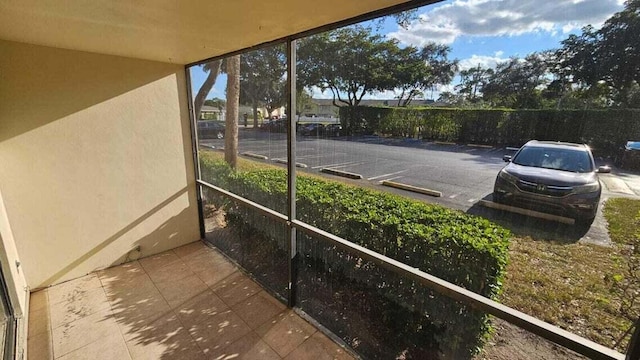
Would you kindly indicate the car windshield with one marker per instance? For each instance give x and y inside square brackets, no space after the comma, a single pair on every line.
[554,158]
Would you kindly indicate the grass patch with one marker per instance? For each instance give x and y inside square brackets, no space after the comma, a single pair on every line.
[621,214]
[587,289]
[566,285]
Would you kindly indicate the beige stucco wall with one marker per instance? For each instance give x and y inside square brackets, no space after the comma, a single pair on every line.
[95,159]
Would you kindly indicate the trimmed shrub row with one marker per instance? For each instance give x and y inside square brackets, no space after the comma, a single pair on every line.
[465,250]
[604,130]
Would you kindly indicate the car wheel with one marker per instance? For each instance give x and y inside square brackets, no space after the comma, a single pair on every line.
[220,135]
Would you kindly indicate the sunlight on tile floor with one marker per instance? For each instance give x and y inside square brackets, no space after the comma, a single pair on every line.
[186,303]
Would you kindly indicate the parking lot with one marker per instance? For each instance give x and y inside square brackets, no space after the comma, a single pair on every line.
[463,174]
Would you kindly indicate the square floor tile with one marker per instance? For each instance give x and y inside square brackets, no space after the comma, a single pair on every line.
[213,276]
[179,292]
[200,308]
[258,308]
[248,347]
[193,249]
[68,311]
[73,289]
[173,272]
[133,315]
[158,261]
[73,336]
[285,332]
[319,347]
[219,331]
[236,288]
[133,288]
[165,338]
[112,347]
[120,273]
[204,261]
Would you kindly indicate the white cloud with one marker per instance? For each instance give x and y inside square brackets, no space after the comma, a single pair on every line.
[444,24]
[482,60]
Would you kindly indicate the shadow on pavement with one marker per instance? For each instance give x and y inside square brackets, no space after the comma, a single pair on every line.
[523,226]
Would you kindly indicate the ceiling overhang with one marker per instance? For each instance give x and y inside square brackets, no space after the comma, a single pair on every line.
[180,32]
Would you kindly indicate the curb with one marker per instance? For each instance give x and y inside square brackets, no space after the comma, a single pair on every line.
[420,190]
[341,173]
[532,213]
[481,146]
[512,148]
[284,161]
[255,156]
[444,143]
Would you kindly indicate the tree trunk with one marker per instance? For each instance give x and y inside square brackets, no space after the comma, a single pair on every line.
[198,101]
[254,106]
[233,103]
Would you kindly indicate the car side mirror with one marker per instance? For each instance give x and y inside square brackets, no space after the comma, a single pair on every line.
[604,169]
[506,158]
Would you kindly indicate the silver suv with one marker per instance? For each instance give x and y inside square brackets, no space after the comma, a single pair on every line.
[553,177]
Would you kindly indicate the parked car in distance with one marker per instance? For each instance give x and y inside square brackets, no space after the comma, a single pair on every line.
[333,130]
[312,129]
[553,177]
[277,125]
[211,129]
[629,156]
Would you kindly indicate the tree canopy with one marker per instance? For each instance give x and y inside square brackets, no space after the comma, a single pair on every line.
[263,79]
[351,62]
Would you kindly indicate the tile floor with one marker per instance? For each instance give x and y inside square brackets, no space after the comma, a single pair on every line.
[186,303]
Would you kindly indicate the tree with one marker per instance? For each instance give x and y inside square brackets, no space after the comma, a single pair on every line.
[216,103]
[213,69]
[618,52]
[263,79]
[517,82]
[472,81]
[417,70]
[304,102]
[441,69]
[450,98]
[609,56]
[233,103]
[349,62]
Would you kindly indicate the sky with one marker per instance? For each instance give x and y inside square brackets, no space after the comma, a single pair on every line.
[483,32]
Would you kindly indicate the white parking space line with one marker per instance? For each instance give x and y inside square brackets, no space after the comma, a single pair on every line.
[385,175]
[317,155]
[453,196]
[332,165]
[341,166]
[392,178]
[260,147]
[471,200]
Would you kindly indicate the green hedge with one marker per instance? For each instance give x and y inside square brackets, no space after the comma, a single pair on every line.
[604,130]
[465,250]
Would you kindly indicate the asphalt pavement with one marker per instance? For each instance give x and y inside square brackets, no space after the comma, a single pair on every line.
[463,173]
